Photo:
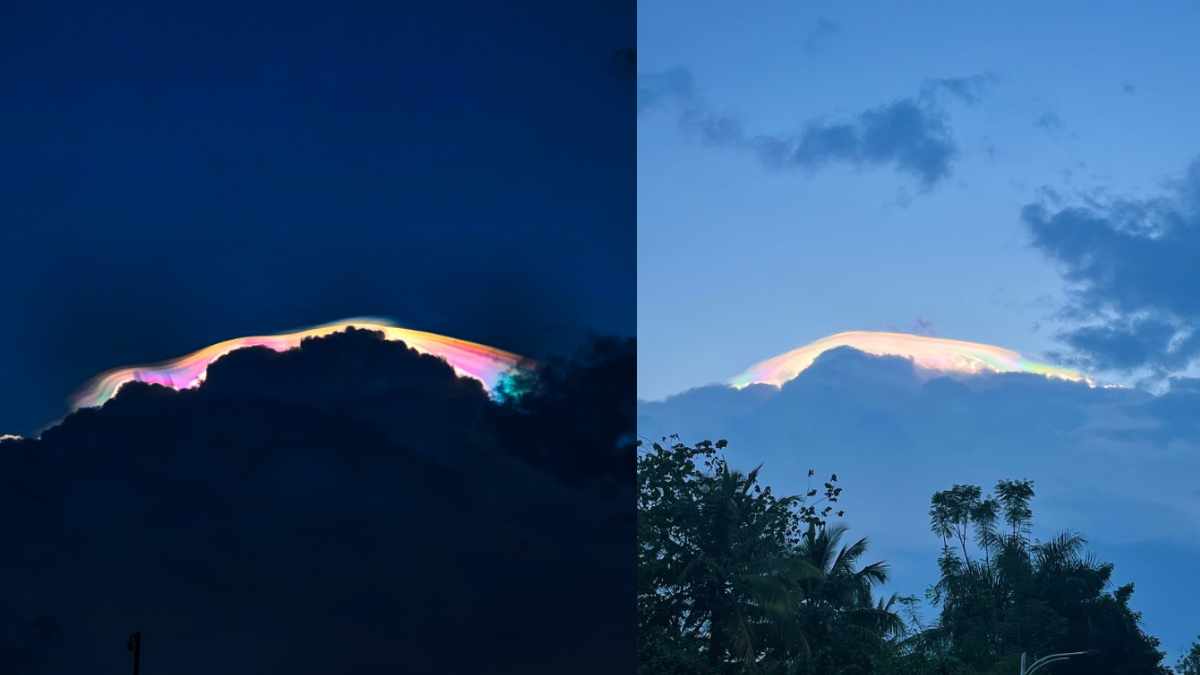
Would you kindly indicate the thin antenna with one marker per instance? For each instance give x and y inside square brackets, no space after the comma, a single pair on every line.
[135,648]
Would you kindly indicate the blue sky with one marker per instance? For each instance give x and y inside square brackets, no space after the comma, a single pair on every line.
[938,161]
[177,175]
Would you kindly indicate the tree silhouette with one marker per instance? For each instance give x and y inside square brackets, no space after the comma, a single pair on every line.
[1189,664]
[1022,595]
[733,579]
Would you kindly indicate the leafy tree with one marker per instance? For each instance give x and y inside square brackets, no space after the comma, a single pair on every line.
[1017,595]
[1190,663]
[734,579]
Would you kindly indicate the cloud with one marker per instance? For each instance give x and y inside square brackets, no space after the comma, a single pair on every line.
[1133,296]
[655,89]
[346,497]
[894,439]
[915,139]
[819,37]
[1049,122]
[922,326]
[1125,345]
[969,90]
[912,134]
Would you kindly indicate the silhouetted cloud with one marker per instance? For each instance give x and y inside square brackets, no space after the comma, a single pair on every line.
[913,134]
[1130,267]
[894,438]
[346,506]
[818,38]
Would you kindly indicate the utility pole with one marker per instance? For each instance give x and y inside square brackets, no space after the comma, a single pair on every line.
[135,648]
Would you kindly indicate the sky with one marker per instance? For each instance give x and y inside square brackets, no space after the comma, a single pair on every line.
[175,176]
[1115,465]
[1017,175]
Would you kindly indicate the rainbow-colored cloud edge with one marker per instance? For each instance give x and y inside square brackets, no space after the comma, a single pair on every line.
[487,364]
[935,354]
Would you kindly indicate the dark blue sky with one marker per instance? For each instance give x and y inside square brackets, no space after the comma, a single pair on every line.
[1018,174]
[173,177]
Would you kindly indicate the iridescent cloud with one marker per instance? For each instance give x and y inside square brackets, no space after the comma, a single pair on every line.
[929,353]
[481,362]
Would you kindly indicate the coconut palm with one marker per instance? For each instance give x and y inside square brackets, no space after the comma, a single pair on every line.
[841,582]
[729,583]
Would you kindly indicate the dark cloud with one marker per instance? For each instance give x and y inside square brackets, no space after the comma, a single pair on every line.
[913,138]
[819,37]
[912,135]
[1123,346]
[1130,266]
[346,507]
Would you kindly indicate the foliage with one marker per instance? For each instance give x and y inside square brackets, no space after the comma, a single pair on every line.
[734,579]
[1190,663]
[1018,595]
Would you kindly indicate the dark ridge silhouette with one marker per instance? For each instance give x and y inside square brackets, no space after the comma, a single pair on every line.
[349,506]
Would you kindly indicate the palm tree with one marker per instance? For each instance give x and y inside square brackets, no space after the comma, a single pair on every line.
[839,582]
[837,611]
[731,581]
[771,611]
[743,579]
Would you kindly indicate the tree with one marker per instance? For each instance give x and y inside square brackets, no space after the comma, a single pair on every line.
[847,629]
[733,579]
[1190,663]
[1022,595]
